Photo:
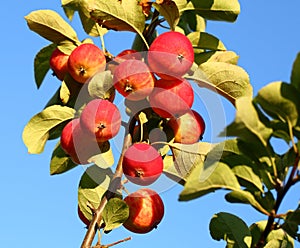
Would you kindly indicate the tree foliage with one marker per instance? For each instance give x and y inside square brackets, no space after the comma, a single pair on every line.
[245,164]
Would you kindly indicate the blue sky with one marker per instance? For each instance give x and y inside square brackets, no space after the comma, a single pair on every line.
[38,210]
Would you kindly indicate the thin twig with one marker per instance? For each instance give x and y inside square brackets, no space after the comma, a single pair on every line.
[112,189]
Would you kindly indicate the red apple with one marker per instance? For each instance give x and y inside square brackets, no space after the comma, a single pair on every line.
[77,144]
[171,98]
[133,79]
[81,216]
[146,210]
[101,119]
[59,63]
[128,54]
[171,55]
[142,164]
[188,128]
[85,61]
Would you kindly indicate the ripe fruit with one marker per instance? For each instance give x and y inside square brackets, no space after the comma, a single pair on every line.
[128,54]
[188,128]
[171,98]
[171,55]
[85,61]
[146,210]
[77,144]
[142,164]
[82,217]
[101,119]
[59,63]
[133,79]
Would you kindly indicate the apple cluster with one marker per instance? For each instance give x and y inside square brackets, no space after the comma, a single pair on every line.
[154,79]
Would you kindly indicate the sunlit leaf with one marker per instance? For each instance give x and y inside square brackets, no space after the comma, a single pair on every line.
[247,125]
[281,101]
[92,186]
[216,10]
[50,25]
[242,167]
[186,157]
[241,196]
[83,8]
[229,57]
[60,161]
[115,213]
[278,239]
[101,85]
[125,15]
[105,158]
[230,81]
[295,75]
[36,132]
[230,228]
[206,41]
[169,11]
[203,180]
[41,64]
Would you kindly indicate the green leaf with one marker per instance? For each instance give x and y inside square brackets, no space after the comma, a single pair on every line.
[190,21]
[242,167]
[66,47]
[241,196]
[230,228]
[208,178]
[92,186]
[60,161]
[247,125]
[41,64]
[281,101]
[83,7]
[203,40]
[125,15]
[36,132]
[219,10]
[292,223]
[101,85]
[181,4]
[51,26]
[169,11]
[105,158]
[229,80]
[278,239]
[188,156]
[115,213]
[229,57]
[64,93]
[295,75]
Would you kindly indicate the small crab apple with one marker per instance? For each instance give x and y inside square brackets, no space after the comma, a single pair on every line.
[85,61]
[146,210]
[188,128]
[171,55]
[171,98]
[101,119]
[133,79]
[59,63]
[142,164]
[81,216]
[77,144]
[128,54]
